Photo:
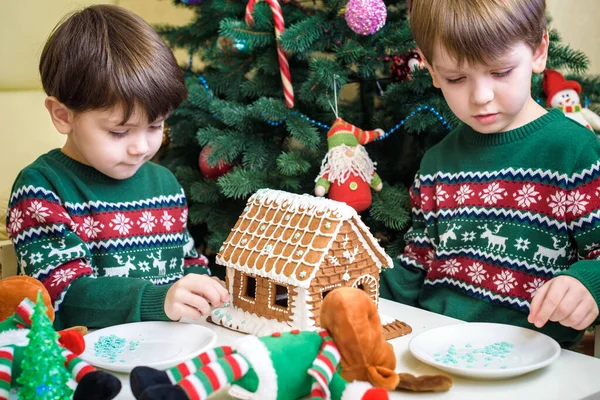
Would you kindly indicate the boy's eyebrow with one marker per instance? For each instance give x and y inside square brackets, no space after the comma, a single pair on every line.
[130,124]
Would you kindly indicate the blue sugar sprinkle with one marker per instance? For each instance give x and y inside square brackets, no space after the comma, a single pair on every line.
[109,347]
[486,357]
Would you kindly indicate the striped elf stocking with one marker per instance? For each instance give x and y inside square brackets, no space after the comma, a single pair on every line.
[324,367]
[6,362]
[76,366]
[189,367]
[23,313]
[214,376]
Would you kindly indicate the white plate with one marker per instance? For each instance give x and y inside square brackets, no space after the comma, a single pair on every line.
[484,350]
[154,344]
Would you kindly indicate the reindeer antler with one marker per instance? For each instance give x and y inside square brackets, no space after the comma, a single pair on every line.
[498,229]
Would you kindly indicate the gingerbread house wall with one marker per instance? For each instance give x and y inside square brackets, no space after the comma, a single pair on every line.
[262,305]
[330,276]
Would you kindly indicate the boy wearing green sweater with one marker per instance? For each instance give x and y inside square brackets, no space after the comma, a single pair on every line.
[101,227]
[505,208]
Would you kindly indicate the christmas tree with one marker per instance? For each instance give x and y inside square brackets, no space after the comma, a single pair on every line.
[259,125]
[44,375]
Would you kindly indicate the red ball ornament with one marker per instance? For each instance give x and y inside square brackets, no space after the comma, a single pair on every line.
[404,64]
[212,172]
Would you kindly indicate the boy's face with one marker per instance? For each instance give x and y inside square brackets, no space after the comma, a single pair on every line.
[97,139]
[491,98]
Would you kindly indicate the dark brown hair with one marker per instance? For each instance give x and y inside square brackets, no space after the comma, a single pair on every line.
[476,31]
[105,56]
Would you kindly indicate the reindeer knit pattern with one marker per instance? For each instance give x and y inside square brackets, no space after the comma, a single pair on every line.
[495,216]
[106,250]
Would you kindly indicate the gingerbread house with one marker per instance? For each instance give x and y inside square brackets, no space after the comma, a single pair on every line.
[286,253]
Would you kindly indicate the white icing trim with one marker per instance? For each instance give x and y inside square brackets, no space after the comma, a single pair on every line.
[369,280]
[361,227]
[257,354]
[386,319]
[237,319]
[305,204]
[302,316]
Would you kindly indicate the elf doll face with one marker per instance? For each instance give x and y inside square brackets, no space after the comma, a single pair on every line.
[495,97]
[567,97]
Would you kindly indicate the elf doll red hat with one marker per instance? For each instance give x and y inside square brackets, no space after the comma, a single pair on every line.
[554,82]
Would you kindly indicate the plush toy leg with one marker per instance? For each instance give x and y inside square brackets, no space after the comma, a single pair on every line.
[91,384]
[340,389]
[201,384]
[142,378]
[324,367]
[6,362]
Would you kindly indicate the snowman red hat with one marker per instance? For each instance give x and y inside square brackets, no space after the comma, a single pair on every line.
[553,82]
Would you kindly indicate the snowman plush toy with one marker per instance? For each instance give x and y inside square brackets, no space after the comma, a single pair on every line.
[564,94]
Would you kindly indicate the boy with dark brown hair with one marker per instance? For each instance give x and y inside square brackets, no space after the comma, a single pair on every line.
[102,228]
[505,208]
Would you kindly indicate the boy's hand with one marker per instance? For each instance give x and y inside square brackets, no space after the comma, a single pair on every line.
[193,296]
[566,300]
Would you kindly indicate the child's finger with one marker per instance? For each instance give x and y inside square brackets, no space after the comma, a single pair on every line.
[537,301]
[210,294]
[578,317]
[552,298]
[567,305]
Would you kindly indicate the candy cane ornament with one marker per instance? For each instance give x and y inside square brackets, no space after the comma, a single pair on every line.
[284,67]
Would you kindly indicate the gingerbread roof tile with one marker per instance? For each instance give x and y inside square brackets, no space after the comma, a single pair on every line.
[286,237]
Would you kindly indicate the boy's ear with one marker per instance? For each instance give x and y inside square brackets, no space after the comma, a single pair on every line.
[61,115]
[540,55]
[434,77]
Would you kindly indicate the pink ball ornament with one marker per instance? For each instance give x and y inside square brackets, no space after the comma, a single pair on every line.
[365,17]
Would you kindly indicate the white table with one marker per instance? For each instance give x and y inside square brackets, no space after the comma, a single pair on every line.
[571,376]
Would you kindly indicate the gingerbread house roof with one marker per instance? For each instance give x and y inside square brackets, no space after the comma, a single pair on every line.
[285,237]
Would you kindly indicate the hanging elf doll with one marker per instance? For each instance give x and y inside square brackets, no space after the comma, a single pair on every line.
[347,172]
[349,360]
[15,294]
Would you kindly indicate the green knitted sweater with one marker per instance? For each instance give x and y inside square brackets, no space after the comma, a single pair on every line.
[495,216]
[107,250]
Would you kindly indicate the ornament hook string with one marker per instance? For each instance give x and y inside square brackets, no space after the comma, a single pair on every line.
[335,110]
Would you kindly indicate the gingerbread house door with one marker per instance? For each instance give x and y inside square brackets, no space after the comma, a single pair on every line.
[368,283]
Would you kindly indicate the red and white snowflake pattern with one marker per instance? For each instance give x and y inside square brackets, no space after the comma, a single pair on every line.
[558,202]
[505,281]
[38,211]
[533,286]
[527,195]
[91,227]
[477,273]
[463,194]
[577,202]
[440,194]
[451,267]
[492,193]
[63,276]
[147,221]
[121,223]
[167,220]
[16,220]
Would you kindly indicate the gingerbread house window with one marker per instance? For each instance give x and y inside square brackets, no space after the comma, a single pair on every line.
[280,297]
[249,289]
[325,293]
